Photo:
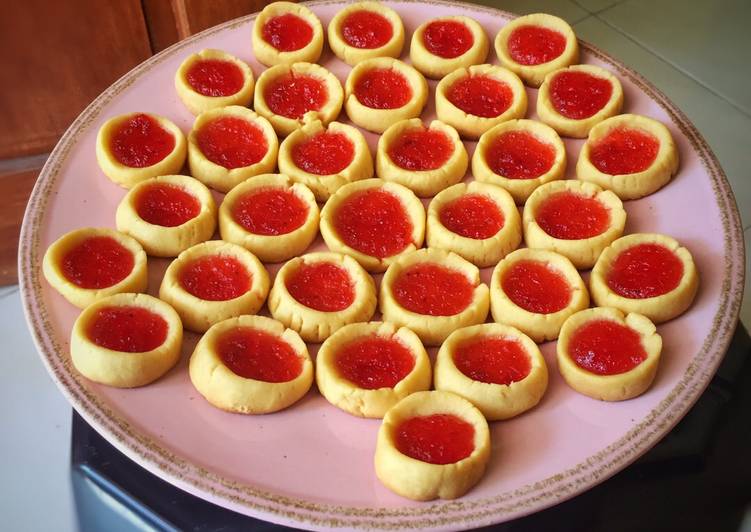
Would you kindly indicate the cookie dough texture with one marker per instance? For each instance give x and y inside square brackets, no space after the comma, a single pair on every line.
[434,66]
[270,56]
[352,55]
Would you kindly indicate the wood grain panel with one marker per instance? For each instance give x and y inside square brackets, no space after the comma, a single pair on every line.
[15,188]
[202,14]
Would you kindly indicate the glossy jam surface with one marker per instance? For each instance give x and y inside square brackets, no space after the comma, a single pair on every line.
[624,151]
[215,278]
[605,347]
[472,216]
[534,45]
[270,211]
[374,222]
[432,289]
[571,216]
[579,95]
[127,329]
[292,95]
[141,141]
[447,38]
[232,142]
[366,29]
[493,359]
[256,354]
[287,32]
[323,286]
[374,362]
[324,154]
[97,262]
[383,88]
[519,155]
[481,96]
[645,270]
[167,205]
[215,77]
[436,439]
[419,150]
[536,287]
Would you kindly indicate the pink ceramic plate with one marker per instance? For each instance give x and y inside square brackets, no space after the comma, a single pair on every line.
[311,465]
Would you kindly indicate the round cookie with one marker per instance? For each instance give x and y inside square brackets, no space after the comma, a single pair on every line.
[441,45]
[270,44]
[361,30]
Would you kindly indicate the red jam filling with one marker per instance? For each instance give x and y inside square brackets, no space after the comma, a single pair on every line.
[472,216]
[624,151]
[141,141]
[322,286]
[433,290]
[382,88]
[534,45]
[97,262]
[292,95]
[645,270]
[419,150]
[493,359]
[127,329]
[270,211]
[374,222]
[447,38]
[436,439]
[536,287]
[570,216]
[232,142]
[519,155]
[579,95]
[374,362]
[366,29]
[214,77]
[605,347]
[215,278]
[166,205]
[324,154]
[481,96]
[287,32]
[258,355]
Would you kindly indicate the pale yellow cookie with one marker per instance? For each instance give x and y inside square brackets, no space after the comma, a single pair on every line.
[435,66]
[351,54]
[604,384]
[371,401]
[125,363]
[269,247]
[270,55]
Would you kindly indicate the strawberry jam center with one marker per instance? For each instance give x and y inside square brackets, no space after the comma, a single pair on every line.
[374,362]
[140,141]
[322,286]
[472,216]
[645,270]
[127,329]
[534,45]
[366,29]
[447,38]
[570,216]
[419,150]
[97,262]
[481,96]
[519,155]
[493,359]
[433,290]
[292,95]
[258,355]
[270,211]
[436,439]
[287,32]
[605,347]
[374,222]
[215,278]
[214,77]
[624,151]
[232,142]
[536,287]
[166,205]
[382,88]
[579,95]
[324,154]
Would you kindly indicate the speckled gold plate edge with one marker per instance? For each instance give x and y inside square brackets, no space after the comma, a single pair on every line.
[446,514]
